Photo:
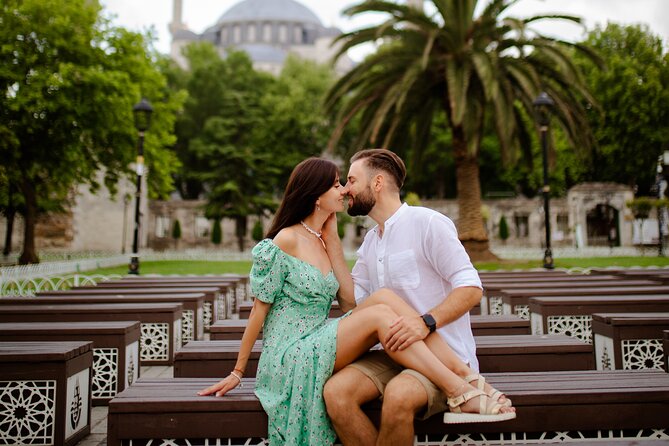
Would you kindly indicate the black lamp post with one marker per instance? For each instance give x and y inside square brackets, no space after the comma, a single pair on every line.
[142,112]
[543,105]
[659,179]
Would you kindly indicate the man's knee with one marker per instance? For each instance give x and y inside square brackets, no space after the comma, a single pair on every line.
[347,389]
[404,397]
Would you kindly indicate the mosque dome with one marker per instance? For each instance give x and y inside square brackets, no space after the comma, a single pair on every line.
[269,10]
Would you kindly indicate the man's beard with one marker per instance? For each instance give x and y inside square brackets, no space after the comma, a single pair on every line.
[362,203]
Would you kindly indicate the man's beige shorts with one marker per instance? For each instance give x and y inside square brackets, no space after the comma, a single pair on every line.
[378,367]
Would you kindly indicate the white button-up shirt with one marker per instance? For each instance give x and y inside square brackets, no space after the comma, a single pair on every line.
[419,257]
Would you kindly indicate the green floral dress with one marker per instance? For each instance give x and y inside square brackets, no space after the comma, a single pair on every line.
[299,345]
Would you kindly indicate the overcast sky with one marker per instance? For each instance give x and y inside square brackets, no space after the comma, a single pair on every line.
[200,14]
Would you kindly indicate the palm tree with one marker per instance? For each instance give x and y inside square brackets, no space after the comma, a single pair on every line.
[474,69]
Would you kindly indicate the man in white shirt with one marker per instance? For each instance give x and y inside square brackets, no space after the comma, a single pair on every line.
[415,252]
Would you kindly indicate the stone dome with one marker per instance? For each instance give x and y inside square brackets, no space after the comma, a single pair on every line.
[269,10]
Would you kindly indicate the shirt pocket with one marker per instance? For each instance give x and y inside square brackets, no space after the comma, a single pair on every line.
[403,270]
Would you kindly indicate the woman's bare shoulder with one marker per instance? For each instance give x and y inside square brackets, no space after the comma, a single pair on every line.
[286,240]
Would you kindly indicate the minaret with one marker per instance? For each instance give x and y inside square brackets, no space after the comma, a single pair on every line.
[177,17]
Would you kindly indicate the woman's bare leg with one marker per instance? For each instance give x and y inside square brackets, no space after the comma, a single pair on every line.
[434,342]
[363,328]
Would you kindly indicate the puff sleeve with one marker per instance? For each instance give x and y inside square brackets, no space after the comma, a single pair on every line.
[268,271]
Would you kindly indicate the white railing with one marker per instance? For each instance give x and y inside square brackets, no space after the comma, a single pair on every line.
[28,287]
[46,269]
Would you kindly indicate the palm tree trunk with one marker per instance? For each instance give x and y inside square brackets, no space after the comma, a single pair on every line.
[470,222]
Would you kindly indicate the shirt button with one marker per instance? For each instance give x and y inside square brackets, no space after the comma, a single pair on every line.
[381,260]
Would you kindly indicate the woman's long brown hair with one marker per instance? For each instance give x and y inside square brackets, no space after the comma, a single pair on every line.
[309,180]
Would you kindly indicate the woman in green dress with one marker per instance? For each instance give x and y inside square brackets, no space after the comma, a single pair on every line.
[297,272]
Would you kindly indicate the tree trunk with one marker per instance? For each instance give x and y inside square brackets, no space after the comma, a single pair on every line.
[471,231]
[29,254]
[240,229]
[11,213]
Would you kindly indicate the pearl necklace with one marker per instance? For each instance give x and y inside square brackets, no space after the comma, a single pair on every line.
[311,231]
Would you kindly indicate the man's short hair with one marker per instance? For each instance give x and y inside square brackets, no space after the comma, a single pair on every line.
[385,160]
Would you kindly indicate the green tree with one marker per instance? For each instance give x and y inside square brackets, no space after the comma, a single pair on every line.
[176,232]
[295,125]
[258,233]
[503,229]
[631,131]
[69,81]
[224,160]
[467,66]
[217,232]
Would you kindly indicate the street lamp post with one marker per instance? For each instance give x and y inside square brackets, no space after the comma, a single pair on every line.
[543,105]
[660,186]
[142,112]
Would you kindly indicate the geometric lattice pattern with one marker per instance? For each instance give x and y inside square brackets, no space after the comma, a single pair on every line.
[199,319]
[27,412]
[131,363]
[495,304]
[105,372]
[155,341]
[522,311]
[188,325]
[642,354]
[575,326]
[207,317]
[506,438]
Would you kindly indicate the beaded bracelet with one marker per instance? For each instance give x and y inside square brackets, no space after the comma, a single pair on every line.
[239,378]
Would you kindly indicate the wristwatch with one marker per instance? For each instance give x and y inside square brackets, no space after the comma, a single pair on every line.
[430,322]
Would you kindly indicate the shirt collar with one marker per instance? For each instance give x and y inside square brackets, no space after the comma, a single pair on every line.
[393,218]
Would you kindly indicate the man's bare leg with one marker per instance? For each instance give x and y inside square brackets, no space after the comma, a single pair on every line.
[344,393]
[403,397]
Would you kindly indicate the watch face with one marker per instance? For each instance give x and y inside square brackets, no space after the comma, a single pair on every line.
[429,321]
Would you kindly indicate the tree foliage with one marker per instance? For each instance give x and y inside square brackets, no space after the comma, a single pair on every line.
[69,81]
[243,131]
[631,130]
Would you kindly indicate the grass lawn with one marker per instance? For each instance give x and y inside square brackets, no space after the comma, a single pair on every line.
[243,267]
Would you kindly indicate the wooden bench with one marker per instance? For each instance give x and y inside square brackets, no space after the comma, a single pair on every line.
[511,353]
[115,349]
[160,323]
[491,302]
[551,406]
[665,344]
[211,308]
[572,315]
[516,300]
[233,329]
[629,340]
[227,289]
[45,393]
[192,326]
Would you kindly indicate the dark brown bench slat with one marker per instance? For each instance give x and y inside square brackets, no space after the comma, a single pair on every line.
[192,324]
[596,402]
[511,353]
[149,314]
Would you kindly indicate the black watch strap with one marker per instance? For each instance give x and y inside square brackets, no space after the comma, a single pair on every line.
[430,322]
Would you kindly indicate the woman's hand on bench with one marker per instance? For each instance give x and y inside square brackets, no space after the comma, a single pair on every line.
[222,387]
